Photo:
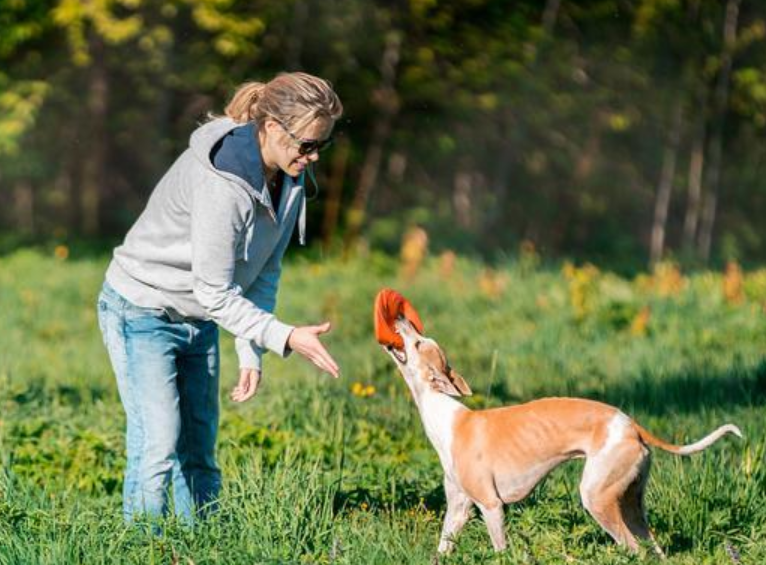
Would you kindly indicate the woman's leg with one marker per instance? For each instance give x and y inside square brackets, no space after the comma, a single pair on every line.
[198,378]
[112,324]
[142,346]
[151,385]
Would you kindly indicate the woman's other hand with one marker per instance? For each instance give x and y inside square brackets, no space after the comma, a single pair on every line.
[249,379]
[305,340]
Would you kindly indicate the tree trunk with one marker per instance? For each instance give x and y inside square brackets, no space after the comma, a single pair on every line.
[510,132]
[694,187]
[94,162]
[716,141]
[463,198]
[64,189]
[24,207]
[297,32]
[550,15]
[386,99]
[697,152]
[665,187]
[588,155]
[334,192]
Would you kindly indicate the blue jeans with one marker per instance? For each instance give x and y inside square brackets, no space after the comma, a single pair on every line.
[167,376]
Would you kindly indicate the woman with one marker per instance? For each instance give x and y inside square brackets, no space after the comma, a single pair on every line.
[207,252]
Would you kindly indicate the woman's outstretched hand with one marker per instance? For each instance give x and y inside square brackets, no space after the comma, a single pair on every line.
[305,340]
[249,379]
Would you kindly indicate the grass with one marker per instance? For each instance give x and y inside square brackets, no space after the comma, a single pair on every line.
[323,471]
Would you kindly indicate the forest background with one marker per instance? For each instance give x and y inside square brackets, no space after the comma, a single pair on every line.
[614,131]
[571,192]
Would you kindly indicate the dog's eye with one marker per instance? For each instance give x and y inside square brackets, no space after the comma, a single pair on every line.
[417,344]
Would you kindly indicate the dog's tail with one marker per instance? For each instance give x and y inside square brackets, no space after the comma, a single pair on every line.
[705,442]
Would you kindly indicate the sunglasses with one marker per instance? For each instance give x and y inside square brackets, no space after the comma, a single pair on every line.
[307,146]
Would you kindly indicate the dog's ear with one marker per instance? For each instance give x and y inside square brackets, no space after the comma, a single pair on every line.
[448,383]
[459,383]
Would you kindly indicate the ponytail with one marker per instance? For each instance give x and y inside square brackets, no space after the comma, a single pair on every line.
[292,99]
[243,105]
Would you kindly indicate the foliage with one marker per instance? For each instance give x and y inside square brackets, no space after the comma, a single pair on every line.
[541,121]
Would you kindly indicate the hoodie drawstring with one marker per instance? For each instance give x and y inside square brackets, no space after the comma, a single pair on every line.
[302,220]
[250,229]
[248,239]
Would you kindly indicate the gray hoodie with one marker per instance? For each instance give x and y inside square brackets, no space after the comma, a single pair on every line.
[209,246]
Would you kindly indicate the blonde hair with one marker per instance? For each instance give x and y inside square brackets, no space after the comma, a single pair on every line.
[293,99]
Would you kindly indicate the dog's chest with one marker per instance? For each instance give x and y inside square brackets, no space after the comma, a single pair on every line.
[439,413]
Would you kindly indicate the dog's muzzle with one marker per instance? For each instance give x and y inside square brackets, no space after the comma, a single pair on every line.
[399,354]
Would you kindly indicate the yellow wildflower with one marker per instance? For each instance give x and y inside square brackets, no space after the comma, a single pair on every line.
[362,391]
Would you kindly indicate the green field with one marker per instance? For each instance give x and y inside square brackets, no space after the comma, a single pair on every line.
[323,471]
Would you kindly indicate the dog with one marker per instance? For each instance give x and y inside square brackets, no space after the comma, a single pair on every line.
[497,456]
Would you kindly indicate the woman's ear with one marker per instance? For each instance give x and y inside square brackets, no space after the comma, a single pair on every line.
[270,125]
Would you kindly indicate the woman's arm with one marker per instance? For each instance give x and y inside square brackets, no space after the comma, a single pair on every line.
[217,220]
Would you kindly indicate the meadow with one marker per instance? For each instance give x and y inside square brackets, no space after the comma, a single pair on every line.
[324,471]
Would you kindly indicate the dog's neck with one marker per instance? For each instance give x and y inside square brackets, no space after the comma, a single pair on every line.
[438,412]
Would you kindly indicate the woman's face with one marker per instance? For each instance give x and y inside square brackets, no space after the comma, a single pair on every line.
[283,149]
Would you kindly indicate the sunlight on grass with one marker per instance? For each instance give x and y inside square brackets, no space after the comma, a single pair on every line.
[323,471]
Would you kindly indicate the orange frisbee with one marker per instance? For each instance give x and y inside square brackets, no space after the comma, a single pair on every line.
[389,305]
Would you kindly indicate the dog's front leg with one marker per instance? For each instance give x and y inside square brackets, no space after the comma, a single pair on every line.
[458,512]
[494,518]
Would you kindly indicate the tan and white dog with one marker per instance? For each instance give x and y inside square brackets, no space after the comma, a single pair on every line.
[496,456]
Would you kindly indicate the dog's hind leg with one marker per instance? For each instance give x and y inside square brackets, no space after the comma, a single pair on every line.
[633,510]
[494,518]
[458,512]
[607,478]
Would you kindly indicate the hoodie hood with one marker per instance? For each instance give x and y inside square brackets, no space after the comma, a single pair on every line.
[205,138]
[202,142]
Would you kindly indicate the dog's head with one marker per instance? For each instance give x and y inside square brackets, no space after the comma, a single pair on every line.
[423,364]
